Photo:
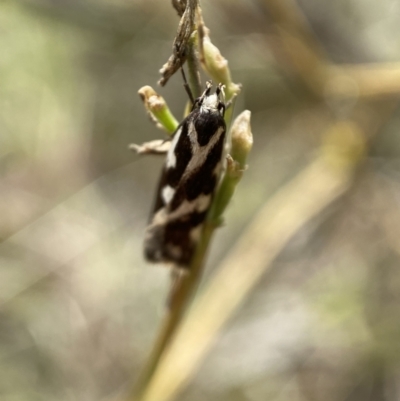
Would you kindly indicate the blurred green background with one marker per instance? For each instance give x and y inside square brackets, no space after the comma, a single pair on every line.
[80,307]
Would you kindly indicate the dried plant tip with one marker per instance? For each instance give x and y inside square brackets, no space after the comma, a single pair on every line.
[157,109]
[242,138]
[151,99]
[156,147]
[180,6]
[214,63]
[242,142]
[181,41]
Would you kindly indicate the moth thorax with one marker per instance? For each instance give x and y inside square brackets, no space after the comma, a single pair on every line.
[210,103]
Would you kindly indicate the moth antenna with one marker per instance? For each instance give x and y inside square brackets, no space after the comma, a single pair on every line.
[220,90]
[205,93]
[187,87]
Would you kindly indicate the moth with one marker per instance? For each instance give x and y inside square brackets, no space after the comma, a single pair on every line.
[188,182]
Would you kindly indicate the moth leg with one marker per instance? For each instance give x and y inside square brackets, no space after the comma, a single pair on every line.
[230,102]
[156,147]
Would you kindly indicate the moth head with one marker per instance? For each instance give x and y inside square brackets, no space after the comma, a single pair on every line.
[211,102]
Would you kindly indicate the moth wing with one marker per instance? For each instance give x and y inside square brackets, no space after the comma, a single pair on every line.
[186,187]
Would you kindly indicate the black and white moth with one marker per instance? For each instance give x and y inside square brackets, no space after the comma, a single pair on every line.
[188,182]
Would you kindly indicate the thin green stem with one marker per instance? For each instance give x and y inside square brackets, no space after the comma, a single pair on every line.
[193,68]
[179,301]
